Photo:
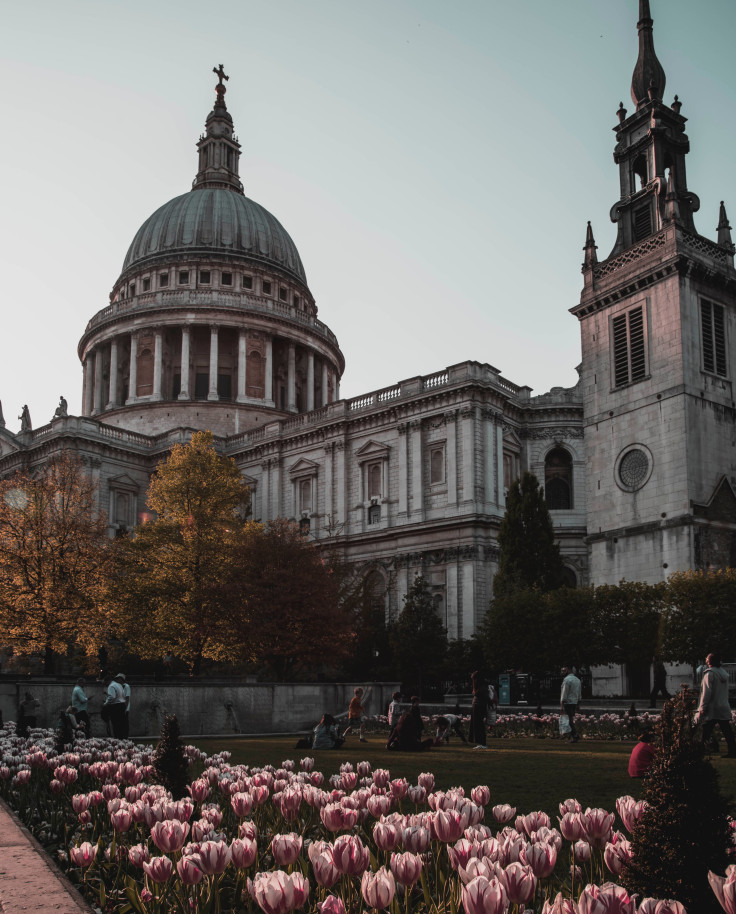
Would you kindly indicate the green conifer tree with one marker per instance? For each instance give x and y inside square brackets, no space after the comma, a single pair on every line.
[169,760]
[529,555]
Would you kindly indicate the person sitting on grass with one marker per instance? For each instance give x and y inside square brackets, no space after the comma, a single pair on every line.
[325,734]
[445,723]
[642,755]
[407,734]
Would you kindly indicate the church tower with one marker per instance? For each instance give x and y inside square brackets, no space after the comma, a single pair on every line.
[658,328]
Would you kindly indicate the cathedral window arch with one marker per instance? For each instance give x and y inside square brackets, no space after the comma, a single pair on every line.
[558,479]
[437,464]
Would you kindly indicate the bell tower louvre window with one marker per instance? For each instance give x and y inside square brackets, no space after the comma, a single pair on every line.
[713,323]
[629,347]
[642,222]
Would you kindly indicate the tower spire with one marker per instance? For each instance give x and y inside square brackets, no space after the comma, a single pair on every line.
[649,77]
[219,150]
[591,258]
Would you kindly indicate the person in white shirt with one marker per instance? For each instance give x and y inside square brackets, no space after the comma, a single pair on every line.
[570,699]
[115,705]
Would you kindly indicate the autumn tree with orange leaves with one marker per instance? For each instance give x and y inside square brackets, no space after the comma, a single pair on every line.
[54,555]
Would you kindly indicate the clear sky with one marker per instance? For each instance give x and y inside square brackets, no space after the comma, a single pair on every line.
[435,163]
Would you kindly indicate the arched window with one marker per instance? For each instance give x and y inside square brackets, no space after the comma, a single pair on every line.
[375,588]
[569,578]
[558,480]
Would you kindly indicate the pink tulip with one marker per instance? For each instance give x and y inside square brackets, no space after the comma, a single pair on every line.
[336,817]
[199,790]
[630,811]
[521,883]
[399,788]
[605,899]
[385,835]
[481,795]
[407,868]
[56,787]
[332,905]
[462,851]
[307,764]
[159,869]
[325,871]
[146,895]
[364,769]
[503,813]
[378,805]
[244,852]
[570,806]
[169,836]
[121,820]
[571,826]
[378,888]
[598,826]
[291,801]
[80,802]
[277,892]
[648,906]
[426,780]
[260,794]
[477,866]
[510,850]
[23,777]
[189,870]
[242,804]
[541,857]
[416,794]
[214,857]
[669,906]
[83,855]
[617,853]
[446,825]
[132,793]
[249,830]
[581,851]
[725,889]
[65,774]
[381,777]
[484,896]
[349,780]
[286,848]
[416,839]
[350,856]
[560,905]
[138,855]
[534,821]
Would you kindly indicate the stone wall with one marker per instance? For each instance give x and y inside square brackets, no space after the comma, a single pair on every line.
[203,708]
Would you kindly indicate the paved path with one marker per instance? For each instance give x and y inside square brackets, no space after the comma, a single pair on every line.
[29,881]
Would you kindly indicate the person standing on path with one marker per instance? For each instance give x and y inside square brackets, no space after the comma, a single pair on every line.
[570,699]
[356,714]
[115,705]
[79,703]
[659,682]
[714,707]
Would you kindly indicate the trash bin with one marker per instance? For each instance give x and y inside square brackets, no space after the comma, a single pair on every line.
[523,688]
[504,689]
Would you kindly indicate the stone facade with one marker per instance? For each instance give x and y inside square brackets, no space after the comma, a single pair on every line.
[211,325]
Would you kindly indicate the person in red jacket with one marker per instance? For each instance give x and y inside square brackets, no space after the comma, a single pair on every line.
[642,755]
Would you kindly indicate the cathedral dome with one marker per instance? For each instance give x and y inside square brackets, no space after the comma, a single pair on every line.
[213,222]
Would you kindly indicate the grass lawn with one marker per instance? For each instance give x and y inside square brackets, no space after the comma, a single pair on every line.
[527,773]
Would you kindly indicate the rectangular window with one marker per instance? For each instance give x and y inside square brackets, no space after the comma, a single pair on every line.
[642,223]
[201,386]
[247,282]
[629,347]
[305,495]
[183,277]
[131,289]
[146,284]
[296,301]
[713,322]
[436,465]
[283,294]
[163,279]
[204,277]
[374,480]
[227,279]
[374,514]
[224,386]
[266,286]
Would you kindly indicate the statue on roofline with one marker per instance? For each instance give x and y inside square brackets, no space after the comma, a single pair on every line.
[25,419]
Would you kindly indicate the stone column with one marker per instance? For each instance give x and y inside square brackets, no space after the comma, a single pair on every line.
[291,380]
[403,470]
[158,363]
[468,448]
[266,490]
[417,488]
[112,400]
[336,386]
[185,375]
[241,366]
[489,462]
[310,381]
[340,481]
[269,372]
[133,373]
[451,458]
[329,450]
[501,499]
[468,578]
[324,383]
[276,482]
[88,387]
[98,382]
[453,628]
[214,355]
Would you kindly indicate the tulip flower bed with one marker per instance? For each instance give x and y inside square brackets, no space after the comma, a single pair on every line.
[279,839]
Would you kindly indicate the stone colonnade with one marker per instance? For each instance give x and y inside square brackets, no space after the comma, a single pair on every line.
[190,363]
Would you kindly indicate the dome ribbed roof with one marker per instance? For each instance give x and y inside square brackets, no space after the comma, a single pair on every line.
[211,221]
